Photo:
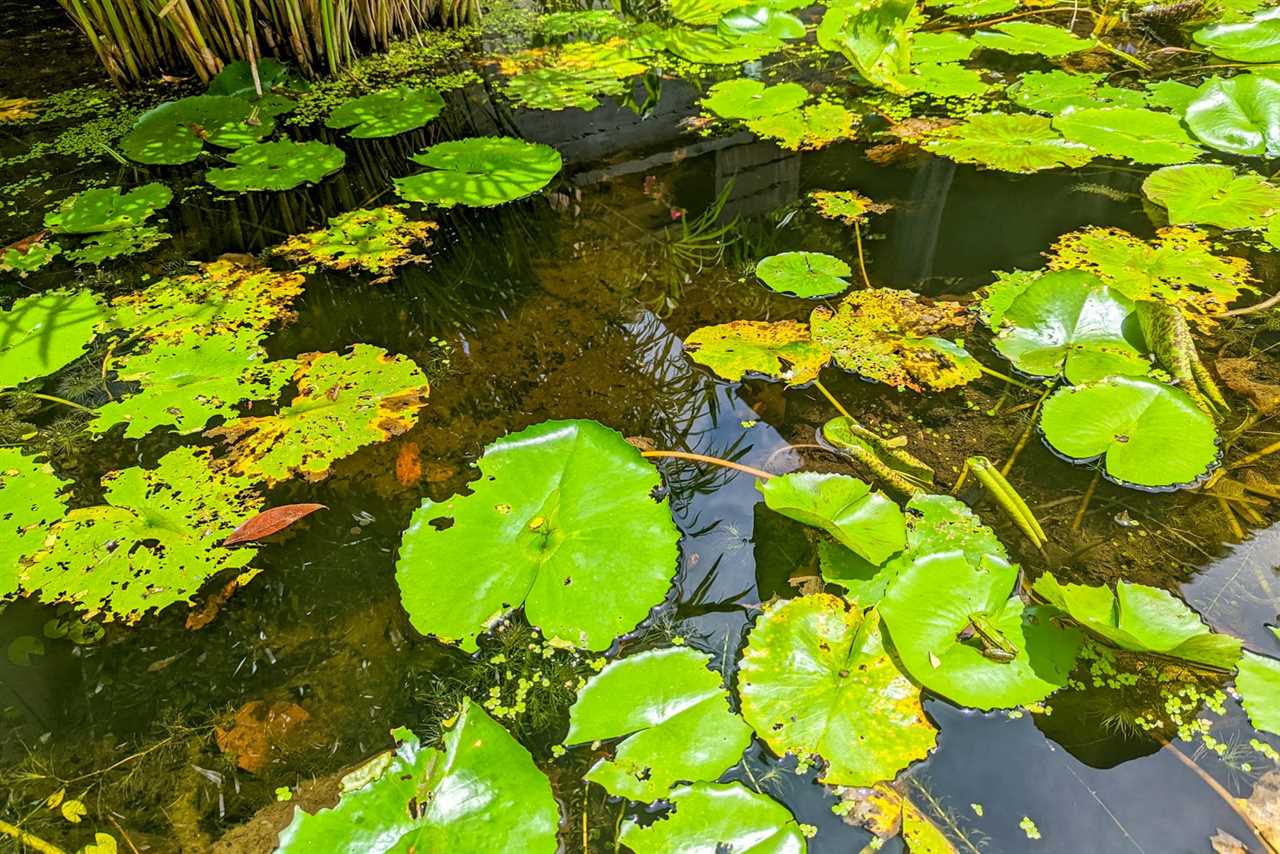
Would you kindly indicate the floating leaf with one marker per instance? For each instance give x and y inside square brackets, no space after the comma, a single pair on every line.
[865,522]
[1141,619]
[811,127]
[1143,136]
[1171,95]
[1240,115]
[1255,40]
[481,793]
[542,528]
[700,12]
[1012,143]
[30,500]
[1069,323]
[1259,687]
[977,8]
[374,240]
[1151,434]
[860,713]
[280,165]
[804,274]
[344,403]
[1056,91]
[758,20]
[1000,294]
[237,78]
[946,80]
[744,98]
[875,38]
[270,522]
[107,209]
[559,89]
[941,47]
[189,382]
[675,716]
[29,258]
[387,112]
[44,332]
[886,814]
[1020,37]
[715,817]
[960,631]
[888,336]
[781,350]
[1213,194]
[1177,267]
[848,206]
[115,244]
[707,47]
[480,172]
[176,131]
[155,541]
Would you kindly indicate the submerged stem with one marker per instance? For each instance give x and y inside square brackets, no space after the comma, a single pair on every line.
[1218,790]
[50,398]
[35,843]
[1084,502]
[716,461]
[991,372]
[862,264]
[829,396]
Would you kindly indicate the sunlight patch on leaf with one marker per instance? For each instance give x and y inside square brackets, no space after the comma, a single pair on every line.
[480,172]
[807,128]
[280,165]
[373,240]
[31,499]
[1011,143]
[1141,135]
[44,332]
[387,112]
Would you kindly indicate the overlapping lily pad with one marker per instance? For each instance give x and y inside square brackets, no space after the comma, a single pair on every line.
[31,499]
[1023,37]
[805,128]
[865,522]
[372,240]
[861,714]
[44,332]
[28,259]
[1238,115]
[1213,194]
[176,132]
[758,20]
[107,209]
[559,89]
[708,47]
[674,715]
[941,47]
[781,350]
[1141,135]
[1148,434]
[946,80]
[847,206]
[280,165]
[541,528]
[875,38]
[748,99]
[387,112]
[715,817]
[1011,143]
[480,172]
[804,274]
[1055,91]
[1255,40]
[97,248]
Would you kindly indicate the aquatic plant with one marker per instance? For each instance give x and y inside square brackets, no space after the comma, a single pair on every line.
[42,333]
[97,248]
[1135,133]
[32,497]
[1254,40]
[279,165]
[176,131]
[761,20]
[809,127]
[480,172]
[1213,194]
[781,350]
[1054,92]
[804,274]
[107,209]
[374,240]
[1012,143]
[29,258]
[1259,686]
[387,112]
[875,38]
[747,99]
[1027,37]
[718,817]
[865,522]
[1237,115]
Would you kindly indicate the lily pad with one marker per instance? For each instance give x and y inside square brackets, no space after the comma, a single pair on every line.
[865,522]
[1213,194]
[1150,434]
[98,248]
[675,716]
[31,499]
[481,793]
[941,47]
[847,206]
[755,20]
[747,99]
[889,336]
[280,165]
[807,128]
[541,528]
[875,38]
[1141,619]
[387,112]
[977,8]
[1143,136]
[860,713]
[29,259]
[1239,115]
[946,80]
[700,12]
[781,350]
[1069,323]
[107,209]
[1055,91]
[1024,37]
[1011,143]
[236,78]
[936,600]
[708,47]
[374,240]
[176,132]
[188,383]
[1255,40]
[344,403]
[715,817]
[1171,95]
[1259,687]
[480,172]
[804,274]
[560,89]
[44,332]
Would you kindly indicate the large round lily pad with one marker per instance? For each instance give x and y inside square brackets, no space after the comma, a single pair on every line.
[865,522]
[1255,40]
[959,630]
[105,209]
[480,172]
[1150,434]
[1213,194]
[280,165]
[1239,115]
[1140,135]
[30,500]
[674,715]
[44,332]
[758,20]
[387,113]
[804,274]
[1027,37]
[1052,92]
[815,680]
[1011,143]
[562,521]
[781,350]
[709,818]
[176,131]
[748,99]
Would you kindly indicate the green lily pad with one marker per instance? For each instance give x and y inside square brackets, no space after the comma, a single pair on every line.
[387,112]
[700,12]
[708,47]
[804,274]
[236,78]
[847,206]
[107,209]
[344,403]
[24,261]
[946,80]
[1213,194]
[31,499]
[1055,91]
[865,522]
[1240,115]
[280,165]
[675,716]
[748,99]
[541,528]
[1141,619]
[98,248]
[758,20]
[481,793]
[977,8]
[155,542]
[186,384]
[807,128]
[480,172]
[1259,685]
[938,598]
[560,89]
[715,817]
[1069,323]
[1141,135]
[1151,434]
[860,713]
[1171,95]
[176,132]
[1255,40]
[941,47]
[1011,143]
[44,332]
[373,240]
[1024,37]
[781,350]
[875,38]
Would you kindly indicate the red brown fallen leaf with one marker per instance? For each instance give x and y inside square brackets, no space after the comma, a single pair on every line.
[270,521]
[24,245]
[258,730]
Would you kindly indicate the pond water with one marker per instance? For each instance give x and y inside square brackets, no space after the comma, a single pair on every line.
[575,304]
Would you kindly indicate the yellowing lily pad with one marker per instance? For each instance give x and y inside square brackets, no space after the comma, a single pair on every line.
[780,350]
[375,240]
[30,500]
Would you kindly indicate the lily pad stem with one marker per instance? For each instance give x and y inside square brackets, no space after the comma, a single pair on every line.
[1084,502]
[1256,307]
[51,398]
[1025,437]
[1255,456]
[829,396]
[35,843]
[716,461]
[862,264]
[1010,380]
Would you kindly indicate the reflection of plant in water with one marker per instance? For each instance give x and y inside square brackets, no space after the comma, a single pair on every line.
[684,249]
